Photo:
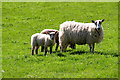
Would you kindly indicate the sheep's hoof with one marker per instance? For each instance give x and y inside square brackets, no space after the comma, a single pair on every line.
[55,49]
[92,52]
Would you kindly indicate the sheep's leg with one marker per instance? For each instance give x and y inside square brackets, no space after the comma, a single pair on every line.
[57,44]
[93,47]
[33,50]
[61,48]
[50,49]
[45,51]
[36,50]
[64,48]
[72,46]
[42,48]
[90,47]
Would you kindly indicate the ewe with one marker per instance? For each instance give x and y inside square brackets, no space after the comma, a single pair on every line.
[72,32]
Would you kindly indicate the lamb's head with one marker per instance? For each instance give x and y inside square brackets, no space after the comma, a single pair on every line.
[52,35]
[98,23]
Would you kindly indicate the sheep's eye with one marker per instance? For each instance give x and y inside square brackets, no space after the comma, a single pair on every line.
[100,22]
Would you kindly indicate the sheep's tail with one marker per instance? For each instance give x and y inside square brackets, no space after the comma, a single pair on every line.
[33,40]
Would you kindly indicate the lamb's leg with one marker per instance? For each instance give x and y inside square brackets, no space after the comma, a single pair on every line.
[50,49]
[57,44]
[42,48]
[45,51]
[36,50]
[33,50]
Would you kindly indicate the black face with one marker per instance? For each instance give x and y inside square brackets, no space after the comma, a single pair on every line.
[52,35]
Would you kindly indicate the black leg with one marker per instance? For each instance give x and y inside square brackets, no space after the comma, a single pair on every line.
[33,50]
[45,51]
[50,49]
[42,48]
[57,44]
[74,46]
[36,50]
[93,47]
[90,47]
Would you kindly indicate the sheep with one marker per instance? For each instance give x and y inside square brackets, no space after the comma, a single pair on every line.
[72,32]
[46,40]
[47,31]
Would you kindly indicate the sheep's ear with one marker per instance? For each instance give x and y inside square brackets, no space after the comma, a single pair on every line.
[56,32]
[103,20]
[93,21]
[47,32]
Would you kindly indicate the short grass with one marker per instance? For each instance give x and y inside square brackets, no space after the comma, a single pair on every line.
[22,19]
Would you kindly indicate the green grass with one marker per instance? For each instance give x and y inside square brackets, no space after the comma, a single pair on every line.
[21,20]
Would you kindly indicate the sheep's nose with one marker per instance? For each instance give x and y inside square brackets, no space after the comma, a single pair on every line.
[98,28]
[52,38]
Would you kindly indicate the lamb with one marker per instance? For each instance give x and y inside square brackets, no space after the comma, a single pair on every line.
[48,31]
[46,40]
[72,32]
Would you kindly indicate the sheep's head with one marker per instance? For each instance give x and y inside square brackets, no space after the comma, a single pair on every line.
[52,35]
[98,23]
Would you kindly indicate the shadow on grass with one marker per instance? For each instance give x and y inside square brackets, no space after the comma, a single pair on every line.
[61,55]
[101,53]
[78,52]
[59,51]
[104,53]
[40,54]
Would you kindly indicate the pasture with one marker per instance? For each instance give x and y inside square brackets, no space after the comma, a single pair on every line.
[22,19]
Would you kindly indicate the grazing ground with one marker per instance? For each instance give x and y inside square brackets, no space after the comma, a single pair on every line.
[22,19]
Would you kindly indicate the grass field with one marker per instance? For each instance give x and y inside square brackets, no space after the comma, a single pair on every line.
[20,20]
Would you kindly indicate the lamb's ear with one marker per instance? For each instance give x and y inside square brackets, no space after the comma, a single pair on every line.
[93,21]
[56,32]
[103,20]
[47,32]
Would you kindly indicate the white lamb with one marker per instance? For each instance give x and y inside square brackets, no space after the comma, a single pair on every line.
[48,31]
[46,40]
[72,32]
